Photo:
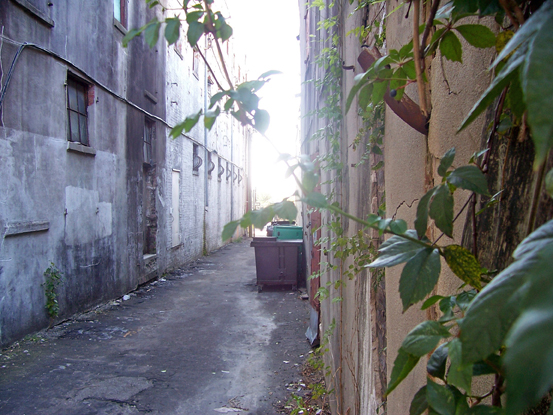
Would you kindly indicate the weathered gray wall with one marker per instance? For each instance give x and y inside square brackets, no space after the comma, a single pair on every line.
[85,212]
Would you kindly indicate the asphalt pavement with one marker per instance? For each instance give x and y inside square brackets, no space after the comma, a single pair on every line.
[200,340]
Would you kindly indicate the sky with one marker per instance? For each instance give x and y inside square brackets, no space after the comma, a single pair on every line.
[266,31]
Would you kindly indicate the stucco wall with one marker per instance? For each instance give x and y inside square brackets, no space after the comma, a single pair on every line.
[410,164]
[86,208]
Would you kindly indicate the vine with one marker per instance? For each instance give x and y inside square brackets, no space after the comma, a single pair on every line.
[500,327]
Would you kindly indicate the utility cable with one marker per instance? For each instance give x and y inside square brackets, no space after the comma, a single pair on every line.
[24,45]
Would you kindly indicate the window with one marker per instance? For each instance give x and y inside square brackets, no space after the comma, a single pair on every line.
[120,11]
[77,102]
[196,64]
[149,137]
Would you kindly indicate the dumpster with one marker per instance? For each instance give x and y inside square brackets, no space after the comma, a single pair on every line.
[276,262]
[287,232]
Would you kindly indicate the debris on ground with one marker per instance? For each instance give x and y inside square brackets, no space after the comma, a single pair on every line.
[308,396]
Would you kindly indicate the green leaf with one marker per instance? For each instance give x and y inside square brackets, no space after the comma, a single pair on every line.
[172,29]
[286,210]
[527,282]
[310,181]
[477,35]
[440,398]
[441,209]
[365,96]
[419,276]
[529,359]
[484,367]
[421,221]
[434,42]
[424,338]
[131,34]
[537,86]
[406,50]
[515,98]
[151,33]
[316,199]
[489,7]
[469,178]
[419,403]
[225,32]
[359,81]
[502,79]
[379,89]
[187,125]
[437,362]
[195,16]
[463,264]
[268,74]
[398,226]
[431,301]
[446,307]
[210,117]
[216,98]
[459,374]
[409,69]
[263,216]
[464,299]
[195,32]
[446,161]
[451,48]
[527,31]
[403,365]
[229,104]
[261,120]
[396,250]
[229,229]
[486,410]
[536,240]
[549,183]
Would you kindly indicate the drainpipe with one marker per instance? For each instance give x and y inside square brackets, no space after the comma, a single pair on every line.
[232,166]
[206,168]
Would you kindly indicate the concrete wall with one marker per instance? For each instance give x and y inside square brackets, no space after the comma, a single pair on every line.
[368,325]
[91,210]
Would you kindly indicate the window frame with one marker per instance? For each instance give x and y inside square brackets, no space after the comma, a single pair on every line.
[148,146]
[196,62]
[120,7]
[80,110]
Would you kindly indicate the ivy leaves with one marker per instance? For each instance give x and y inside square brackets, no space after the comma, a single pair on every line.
[241,100]
[200,21]
[504,329]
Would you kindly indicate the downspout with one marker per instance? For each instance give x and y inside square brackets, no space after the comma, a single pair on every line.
[206,168]
[232,167]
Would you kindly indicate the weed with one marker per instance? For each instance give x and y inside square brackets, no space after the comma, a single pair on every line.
[52,280]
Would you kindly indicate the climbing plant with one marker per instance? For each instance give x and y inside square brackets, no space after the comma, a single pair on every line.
[501,325]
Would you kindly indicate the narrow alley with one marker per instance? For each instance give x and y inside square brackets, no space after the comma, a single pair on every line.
[200,340]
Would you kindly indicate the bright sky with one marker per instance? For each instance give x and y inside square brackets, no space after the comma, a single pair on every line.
[266,31]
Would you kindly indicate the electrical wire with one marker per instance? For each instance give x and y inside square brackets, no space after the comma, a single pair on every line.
[24,45]
[10,72]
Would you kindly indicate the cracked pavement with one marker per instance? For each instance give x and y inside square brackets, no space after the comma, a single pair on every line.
[200,340]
